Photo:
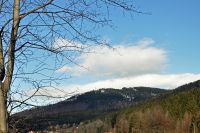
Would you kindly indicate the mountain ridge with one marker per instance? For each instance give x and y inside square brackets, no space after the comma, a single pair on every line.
[86,106]
[93,104]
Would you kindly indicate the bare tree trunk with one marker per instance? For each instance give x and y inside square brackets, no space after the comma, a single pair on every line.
[7,78]
[3,116]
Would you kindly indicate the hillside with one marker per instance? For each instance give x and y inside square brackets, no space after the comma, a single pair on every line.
[87,106]
[138,109]
[175,112]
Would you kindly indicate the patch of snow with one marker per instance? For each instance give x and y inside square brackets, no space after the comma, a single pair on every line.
[153,94]
[134,89]
[102,91]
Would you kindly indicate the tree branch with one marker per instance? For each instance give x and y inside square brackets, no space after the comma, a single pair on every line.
[36,9]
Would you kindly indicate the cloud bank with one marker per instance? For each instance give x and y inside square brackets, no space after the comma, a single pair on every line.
[122,60]
[126,65]
[165,81]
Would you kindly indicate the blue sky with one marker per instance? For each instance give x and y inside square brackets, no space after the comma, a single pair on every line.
[158,49]
[174,25]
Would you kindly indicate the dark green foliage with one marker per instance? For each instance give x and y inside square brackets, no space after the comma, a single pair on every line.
[179,113]
[87,106]
[150,110]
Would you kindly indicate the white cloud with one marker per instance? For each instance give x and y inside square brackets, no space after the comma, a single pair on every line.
[121,60]
[64,69]
[165,81]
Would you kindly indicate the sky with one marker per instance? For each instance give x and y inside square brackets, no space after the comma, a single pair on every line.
[173,25]
[159,48]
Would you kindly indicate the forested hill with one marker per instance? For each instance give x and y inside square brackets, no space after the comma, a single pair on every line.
[120,110]
[86,106]
[175,112]
[188,87]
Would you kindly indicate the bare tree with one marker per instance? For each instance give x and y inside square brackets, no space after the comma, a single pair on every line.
[29,55]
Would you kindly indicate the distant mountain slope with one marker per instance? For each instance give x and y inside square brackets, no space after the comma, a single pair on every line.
[189,86]
[178,101]
[178,112]
[129,102]
[85,106]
